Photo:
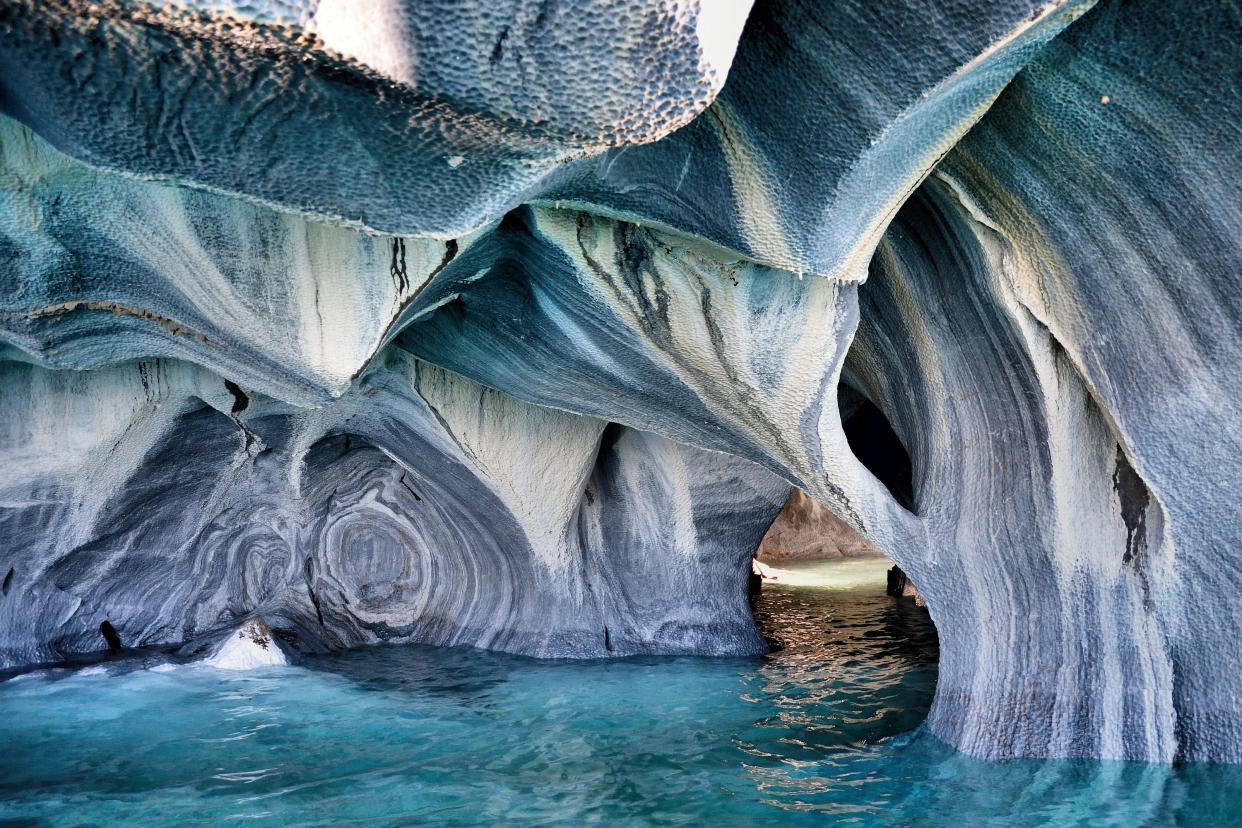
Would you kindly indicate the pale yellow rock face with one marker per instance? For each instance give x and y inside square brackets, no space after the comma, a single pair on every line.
[806,530]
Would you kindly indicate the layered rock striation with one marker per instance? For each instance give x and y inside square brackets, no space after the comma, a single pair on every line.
[513,324]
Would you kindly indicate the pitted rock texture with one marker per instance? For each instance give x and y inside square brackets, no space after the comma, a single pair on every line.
[834,111]
[382,332]
[403,116]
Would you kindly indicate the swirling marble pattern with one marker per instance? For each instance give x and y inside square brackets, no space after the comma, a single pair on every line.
[405,511]
[633,325]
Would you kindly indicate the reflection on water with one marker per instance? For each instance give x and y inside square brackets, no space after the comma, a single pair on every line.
[824,730]
[862,574]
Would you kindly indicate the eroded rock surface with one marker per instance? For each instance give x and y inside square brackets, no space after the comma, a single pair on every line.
[419,507]
[513,324]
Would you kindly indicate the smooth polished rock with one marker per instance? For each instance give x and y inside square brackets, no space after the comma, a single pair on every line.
[419,507]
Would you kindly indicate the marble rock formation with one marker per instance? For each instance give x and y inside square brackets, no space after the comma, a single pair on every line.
[806,530]
[420,506]
[513,323]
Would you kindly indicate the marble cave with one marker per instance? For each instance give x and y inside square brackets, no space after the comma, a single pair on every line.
[501,334]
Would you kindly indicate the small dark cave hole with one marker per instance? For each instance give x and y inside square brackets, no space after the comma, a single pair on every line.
[110,636]
[876,445]
[609,437]
[603,457]
[240,400]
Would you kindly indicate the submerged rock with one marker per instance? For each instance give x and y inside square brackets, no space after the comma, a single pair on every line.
[900,586]
[251,647]
[513,324]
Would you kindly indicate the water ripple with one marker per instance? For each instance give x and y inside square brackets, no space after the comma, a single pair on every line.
[825,730]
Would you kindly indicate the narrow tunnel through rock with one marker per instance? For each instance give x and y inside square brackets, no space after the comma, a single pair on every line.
[839,633]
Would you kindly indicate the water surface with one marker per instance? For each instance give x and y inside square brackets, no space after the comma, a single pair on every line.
[824,731]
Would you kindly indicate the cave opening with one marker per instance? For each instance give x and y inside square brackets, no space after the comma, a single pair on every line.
[110,636]
[836,611]
[875,443]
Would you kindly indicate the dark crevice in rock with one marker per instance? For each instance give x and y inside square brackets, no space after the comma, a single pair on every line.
[877,446]
[110,635]
[240,400]
[410,489]
[450,252]
[401,318]
[498,51]
[1135,498]
[309,572]
[397,269]
[8,580]
[608,439]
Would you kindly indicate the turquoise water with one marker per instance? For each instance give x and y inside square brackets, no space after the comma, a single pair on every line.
[825,731]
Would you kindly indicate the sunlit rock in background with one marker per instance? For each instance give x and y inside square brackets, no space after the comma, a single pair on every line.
[806,530]
[512,325]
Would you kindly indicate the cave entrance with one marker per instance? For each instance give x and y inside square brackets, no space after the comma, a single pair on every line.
[850,636]
[876,445]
